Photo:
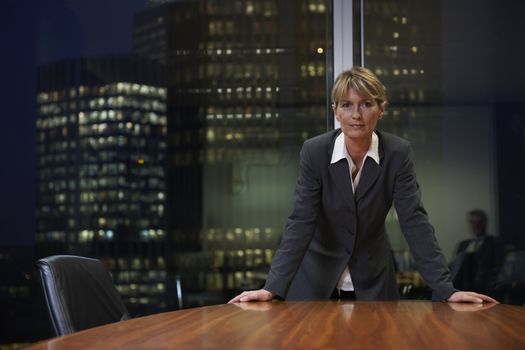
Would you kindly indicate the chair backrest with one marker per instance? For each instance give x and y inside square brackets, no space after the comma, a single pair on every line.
[79,293]
[513,269]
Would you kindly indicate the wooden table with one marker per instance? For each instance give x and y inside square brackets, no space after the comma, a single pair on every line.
[314,324]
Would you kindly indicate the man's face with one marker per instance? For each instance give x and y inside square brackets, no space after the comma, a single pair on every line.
[478,225]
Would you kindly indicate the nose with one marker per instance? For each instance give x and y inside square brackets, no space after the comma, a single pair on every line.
[355,112]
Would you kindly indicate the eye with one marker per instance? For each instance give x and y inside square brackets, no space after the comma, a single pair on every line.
[368,104]
[345,104]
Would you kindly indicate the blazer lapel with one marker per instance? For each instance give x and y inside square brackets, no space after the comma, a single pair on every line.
[341,176]
[371,171]
[369,175]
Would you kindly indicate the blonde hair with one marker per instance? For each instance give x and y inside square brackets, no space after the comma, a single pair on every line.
[363,81]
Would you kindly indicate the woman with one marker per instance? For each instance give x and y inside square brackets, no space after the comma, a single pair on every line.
[335,244]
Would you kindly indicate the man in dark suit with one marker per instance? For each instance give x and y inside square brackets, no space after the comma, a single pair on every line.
[335,241]
[477,260]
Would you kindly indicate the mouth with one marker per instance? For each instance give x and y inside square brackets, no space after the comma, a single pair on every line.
[357,126]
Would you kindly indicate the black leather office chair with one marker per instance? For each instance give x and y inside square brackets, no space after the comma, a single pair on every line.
[79,293]
[511,278]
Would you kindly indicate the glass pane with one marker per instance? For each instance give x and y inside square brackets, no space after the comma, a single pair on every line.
[403,47]
[438,62]
[176,162]
[246,86]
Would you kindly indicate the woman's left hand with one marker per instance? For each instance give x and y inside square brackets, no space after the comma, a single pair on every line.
[470,297]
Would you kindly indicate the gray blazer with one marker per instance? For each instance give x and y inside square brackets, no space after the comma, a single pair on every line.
[330,227]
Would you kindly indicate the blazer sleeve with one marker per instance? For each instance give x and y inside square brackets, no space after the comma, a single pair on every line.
[418,231]
[299,228]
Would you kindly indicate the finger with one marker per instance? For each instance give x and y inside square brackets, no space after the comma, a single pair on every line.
[264,295]
[236,299]
[470,297]
[251,296]
[485,298]
[490,300]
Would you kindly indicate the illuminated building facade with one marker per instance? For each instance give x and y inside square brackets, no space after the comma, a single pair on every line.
[101,142]
[246,86]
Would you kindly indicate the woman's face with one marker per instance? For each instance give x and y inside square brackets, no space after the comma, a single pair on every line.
[358,115]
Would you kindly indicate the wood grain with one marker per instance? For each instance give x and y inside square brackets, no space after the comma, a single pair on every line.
[312,325]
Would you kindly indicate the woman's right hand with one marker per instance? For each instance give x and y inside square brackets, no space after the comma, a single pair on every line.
[253,295]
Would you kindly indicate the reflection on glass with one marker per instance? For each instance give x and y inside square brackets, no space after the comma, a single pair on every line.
[405,44]
[393,33]
[246,86]
[180,159]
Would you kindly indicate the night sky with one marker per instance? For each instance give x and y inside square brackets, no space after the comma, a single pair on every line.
[34,32]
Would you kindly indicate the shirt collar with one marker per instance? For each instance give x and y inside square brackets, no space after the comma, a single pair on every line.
[340,151]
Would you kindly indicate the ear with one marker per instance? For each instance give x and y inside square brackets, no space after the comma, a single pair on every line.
[334,108]
[382,108]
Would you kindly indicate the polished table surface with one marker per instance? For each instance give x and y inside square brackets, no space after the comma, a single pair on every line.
[314,325]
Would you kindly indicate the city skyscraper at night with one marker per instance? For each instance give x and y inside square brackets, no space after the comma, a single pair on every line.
[101,143]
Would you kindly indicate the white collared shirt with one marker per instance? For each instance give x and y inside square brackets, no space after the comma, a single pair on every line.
[340,152]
